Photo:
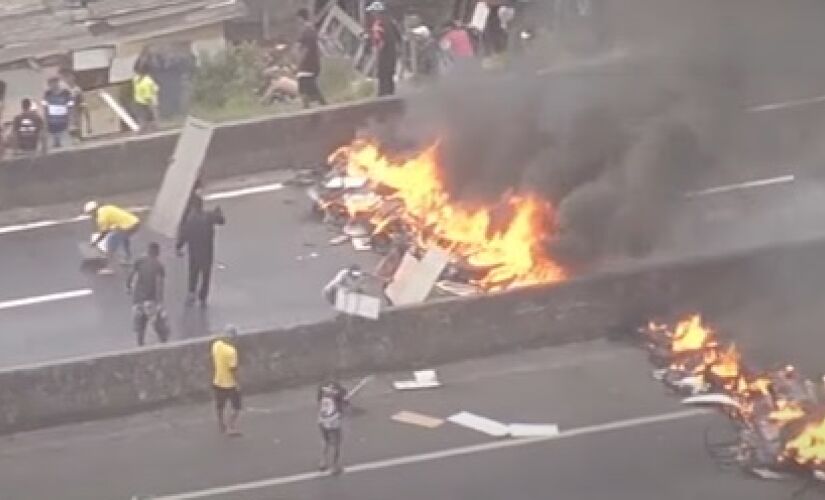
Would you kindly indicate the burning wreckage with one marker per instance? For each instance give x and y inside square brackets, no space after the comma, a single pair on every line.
[401,208]
[775,420]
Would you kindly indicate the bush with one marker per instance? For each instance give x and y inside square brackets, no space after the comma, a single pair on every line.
[234,74]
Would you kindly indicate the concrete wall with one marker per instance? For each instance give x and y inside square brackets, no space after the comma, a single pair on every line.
[242,147]
[608,304]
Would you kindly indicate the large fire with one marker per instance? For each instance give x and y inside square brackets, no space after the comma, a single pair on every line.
[506,240]
[780,403]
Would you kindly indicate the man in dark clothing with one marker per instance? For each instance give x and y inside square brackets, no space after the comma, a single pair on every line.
[385,37]
[27,128]
[146,283]
[331,399]
[199,235]
[309,65]
[57,106]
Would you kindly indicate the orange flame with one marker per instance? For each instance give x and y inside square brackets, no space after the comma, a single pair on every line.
[691,335]
[512,250]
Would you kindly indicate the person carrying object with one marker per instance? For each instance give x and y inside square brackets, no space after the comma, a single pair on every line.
[145,284]
[331,400]
[385,38]
[116,225]
[198,235]
[309,57]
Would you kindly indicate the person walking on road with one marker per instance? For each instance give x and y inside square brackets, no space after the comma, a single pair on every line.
[309,65]
[331,399]
[225,380]
[116,225]
[198,234]
[145,284]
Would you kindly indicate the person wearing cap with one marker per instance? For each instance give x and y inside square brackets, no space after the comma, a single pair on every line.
[225,380]
[58,107]
[117,224]
[331,400]
[385,37]
[348,279]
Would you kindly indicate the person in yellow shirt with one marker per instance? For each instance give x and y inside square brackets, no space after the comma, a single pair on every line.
[145,91]
[225,380]
[115,224]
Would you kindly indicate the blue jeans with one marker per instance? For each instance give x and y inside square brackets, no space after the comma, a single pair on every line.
[60,139]
[120,238]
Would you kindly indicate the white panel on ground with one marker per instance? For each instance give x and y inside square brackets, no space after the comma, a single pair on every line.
[414,279]
[533,430]
[184,169]
[480,424]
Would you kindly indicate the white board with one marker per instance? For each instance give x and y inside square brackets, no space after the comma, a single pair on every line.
[414,279]
[480,14]
[184,169]
[480,424]
[532,430]
[357,304]
[119,111]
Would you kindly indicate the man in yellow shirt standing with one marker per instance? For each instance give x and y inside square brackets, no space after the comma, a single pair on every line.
[225,381]
[117,224]
[145,92]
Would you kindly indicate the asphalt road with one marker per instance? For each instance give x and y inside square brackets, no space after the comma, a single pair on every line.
[621,437]
[273,261]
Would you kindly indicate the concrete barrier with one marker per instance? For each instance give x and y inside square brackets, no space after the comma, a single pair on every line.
[138,163]
[416,337]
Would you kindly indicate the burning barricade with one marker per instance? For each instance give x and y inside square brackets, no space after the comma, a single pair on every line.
[402,206]
[777,418]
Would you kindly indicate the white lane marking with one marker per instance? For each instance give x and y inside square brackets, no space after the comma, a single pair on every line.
[784,179]
[223,195]
[794,103]
[237,193]
[437,455]
[40,299]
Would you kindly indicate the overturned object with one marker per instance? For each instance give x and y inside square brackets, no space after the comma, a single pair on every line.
[423,379]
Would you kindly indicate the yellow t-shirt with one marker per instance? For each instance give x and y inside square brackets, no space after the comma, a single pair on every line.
[225,360]
[145,90]
[110,217]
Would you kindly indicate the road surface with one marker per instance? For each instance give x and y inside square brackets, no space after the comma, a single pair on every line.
[272,261]
[621,438]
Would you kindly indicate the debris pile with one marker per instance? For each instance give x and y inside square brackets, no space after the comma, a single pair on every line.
[401,205]
[778,415]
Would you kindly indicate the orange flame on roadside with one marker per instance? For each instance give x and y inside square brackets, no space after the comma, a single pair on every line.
[507,238]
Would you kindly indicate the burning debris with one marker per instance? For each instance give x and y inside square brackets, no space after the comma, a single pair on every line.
[401,205]
[778,416]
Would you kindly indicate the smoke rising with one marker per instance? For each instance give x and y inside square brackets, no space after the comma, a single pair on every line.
[614,146]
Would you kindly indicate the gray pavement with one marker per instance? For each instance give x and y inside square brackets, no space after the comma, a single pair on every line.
[621,437]
[272,261]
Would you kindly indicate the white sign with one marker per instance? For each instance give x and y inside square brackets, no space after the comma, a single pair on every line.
[180,177]
[357,304]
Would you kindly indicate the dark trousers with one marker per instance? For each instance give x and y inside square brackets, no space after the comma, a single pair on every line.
[309,90]
[200,271]
[386,84]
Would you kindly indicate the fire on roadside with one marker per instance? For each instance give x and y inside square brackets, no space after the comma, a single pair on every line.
[506,240]
[780,399]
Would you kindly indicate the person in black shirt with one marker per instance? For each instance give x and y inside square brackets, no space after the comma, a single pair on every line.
[309,65]
[198,233]
[28,130]
[146,282]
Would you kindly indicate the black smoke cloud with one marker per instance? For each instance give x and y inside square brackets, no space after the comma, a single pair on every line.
[614,146]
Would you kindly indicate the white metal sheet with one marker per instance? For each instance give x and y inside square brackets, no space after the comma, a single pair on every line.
[96,58]
[480,424]
[414,279]
[184,169]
